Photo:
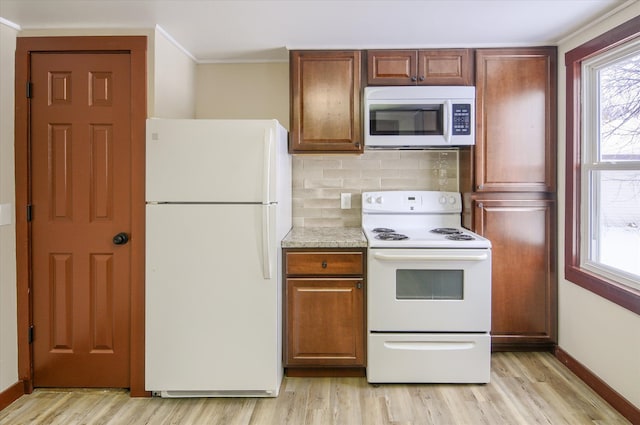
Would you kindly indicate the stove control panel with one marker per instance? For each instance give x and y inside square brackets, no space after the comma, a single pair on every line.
[402,201]
[447,199]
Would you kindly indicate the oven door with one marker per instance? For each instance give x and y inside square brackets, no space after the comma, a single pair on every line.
[429,290]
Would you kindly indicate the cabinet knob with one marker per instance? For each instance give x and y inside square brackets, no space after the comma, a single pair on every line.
[414,78]
[324,264]
[359,285]
[422,78]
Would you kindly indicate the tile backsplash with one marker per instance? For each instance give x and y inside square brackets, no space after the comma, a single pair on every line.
[318,181]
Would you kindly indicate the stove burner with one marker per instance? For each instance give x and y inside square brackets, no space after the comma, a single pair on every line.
[391,236]
[383,230]
[446,231]
[460,237]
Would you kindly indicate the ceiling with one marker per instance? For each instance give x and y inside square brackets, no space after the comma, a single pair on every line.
[263,30]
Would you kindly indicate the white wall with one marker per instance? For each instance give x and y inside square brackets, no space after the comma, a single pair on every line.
[8,314]
[599,334]
[243,90]
[174,84]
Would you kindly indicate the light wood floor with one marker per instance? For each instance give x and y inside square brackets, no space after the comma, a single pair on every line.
[525,388]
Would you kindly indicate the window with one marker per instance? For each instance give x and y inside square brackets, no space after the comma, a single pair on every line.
[603,165]
[610,176]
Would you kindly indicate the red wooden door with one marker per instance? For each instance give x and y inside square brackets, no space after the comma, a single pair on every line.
[80,196]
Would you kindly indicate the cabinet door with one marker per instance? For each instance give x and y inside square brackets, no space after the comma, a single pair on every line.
[444,67]
[325,322]
[523,269]
[392,67]
[515,119]
[325,101]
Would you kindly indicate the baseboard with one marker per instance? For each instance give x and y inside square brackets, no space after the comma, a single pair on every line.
[307,372]
[519,346]
[11,394]
[611,396]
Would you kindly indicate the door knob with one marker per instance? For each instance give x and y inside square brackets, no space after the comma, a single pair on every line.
[121,238]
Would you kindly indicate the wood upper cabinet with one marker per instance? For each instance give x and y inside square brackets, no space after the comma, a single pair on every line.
[324,302]
[521,229]
[326,91]
[420,67]
[515,120]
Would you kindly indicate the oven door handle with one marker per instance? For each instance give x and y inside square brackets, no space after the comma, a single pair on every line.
[431,257]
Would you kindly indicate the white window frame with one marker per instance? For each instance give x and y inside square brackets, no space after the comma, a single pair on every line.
[591,163]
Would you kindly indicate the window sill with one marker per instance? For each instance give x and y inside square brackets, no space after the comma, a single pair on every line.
[624,296]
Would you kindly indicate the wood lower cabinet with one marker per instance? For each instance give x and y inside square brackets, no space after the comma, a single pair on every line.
[326,88]
[420,67]
[325,312]
[521,229]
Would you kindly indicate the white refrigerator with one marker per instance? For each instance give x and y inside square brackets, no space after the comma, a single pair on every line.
[218,203]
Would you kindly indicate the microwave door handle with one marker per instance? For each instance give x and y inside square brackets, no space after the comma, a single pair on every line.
[448,121]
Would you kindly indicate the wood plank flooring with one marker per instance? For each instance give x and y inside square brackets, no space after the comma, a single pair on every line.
[525,388]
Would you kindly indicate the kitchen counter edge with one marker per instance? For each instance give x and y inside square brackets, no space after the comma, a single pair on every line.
[325,237]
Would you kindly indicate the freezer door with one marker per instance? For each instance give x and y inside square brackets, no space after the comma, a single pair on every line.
[213,321]
[214,160]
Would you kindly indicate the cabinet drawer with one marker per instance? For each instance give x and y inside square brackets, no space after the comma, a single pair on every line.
[324,263]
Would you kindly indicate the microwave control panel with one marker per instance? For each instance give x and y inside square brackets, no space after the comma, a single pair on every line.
[461,119]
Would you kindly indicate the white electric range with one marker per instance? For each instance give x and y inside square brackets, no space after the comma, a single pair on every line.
[429,290]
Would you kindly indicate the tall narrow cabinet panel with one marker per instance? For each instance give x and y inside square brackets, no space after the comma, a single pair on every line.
[515,118]
[325,101]
[509,177]
[522,232]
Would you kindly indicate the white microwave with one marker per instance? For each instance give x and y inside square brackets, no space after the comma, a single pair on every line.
[406,117]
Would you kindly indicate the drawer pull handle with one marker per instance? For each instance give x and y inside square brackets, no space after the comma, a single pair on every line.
[324,264]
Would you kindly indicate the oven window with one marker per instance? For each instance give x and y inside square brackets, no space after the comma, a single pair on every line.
[429,284]
[410,120]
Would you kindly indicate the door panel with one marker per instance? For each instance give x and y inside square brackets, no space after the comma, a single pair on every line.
[80,192]
[515,120]
[324,321]
[325,101]
[523,290]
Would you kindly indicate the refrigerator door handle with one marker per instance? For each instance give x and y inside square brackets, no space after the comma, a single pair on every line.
[266,218]
[266,177]
[266,242]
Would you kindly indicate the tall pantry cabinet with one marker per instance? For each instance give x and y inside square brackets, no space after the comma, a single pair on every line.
[510,196]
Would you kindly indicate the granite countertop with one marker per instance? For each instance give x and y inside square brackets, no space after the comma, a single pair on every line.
[325,237]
